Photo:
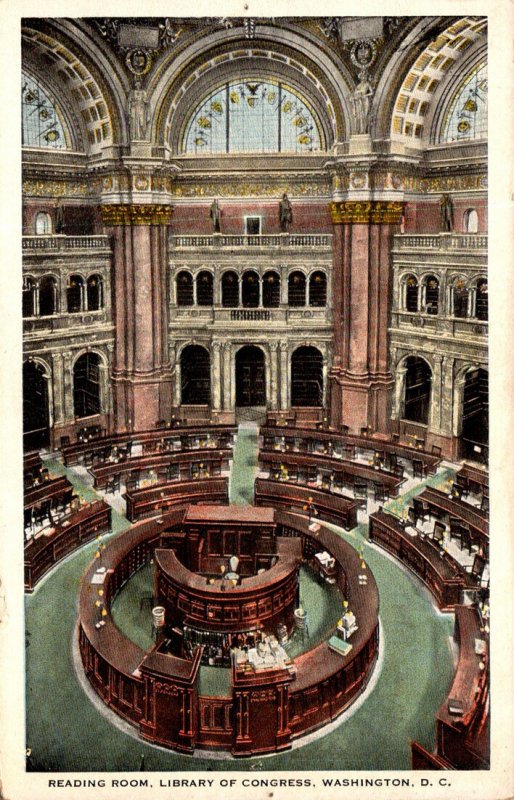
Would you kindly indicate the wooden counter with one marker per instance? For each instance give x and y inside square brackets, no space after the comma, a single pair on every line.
[42,553]
[259,601]
[344,471]
[214,461]
[462,723]
[150,439]
[476,519]
[268,708]
[152,500]
[48,490]
[305,440]
[463,738]
[330,506]
[443,576]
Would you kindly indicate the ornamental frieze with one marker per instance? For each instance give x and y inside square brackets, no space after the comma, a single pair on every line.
[445,183]
[375,212]
[49,188]
[151,214]
[252,189]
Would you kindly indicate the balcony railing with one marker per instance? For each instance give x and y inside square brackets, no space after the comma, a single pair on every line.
[278,240]
[441,241]
[241,317]
[58,243]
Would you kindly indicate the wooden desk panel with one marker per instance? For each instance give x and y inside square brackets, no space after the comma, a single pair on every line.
[330,507]
[48,490]
[469,475]
[308,438]
[74,452]
[272,459]
[444,576]
[72,532]
[215,459]
[154,499]
[476,519]
[463,739]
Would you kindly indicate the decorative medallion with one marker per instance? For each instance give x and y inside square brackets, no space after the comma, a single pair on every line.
[363,53]
[138,61]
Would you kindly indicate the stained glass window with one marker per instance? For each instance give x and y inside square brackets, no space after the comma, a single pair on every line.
[467,115]
[252,116]
[41,124]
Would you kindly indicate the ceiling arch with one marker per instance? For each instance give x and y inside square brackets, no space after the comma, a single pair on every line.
[424,77]
[93,108]
[177,85]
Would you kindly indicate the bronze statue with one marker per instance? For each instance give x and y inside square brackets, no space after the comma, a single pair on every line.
[285,213]
[215,216]
[446,213]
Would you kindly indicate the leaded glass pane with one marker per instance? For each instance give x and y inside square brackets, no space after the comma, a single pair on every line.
[467,116]
[41,125]
[252,116]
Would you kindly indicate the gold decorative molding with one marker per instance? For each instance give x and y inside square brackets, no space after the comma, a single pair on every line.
[364,212]
[244,188]
[150,214]
[445,183]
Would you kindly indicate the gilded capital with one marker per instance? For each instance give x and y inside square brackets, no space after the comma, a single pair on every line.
[150,214]
[354,212]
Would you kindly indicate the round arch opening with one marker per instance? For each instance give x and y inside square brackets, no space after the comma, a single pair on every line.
[250,377]
[36,416]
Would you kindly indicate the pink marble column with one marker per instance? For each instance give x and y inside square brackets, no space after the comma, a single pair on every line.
[361,381]
[141,374]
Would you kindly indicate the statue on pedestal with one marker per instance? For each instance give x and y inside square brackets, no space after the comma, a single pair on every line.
[446,213]
[361,103]
[215,214]
[285,213]
[139,114]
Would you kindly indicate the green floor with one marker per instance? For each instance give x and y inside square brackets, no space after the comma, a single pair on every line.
[244,466]
[67,733]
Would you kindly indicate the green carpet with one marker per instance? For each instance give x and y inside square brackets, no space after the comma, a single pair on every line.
[67,733]
[244,466]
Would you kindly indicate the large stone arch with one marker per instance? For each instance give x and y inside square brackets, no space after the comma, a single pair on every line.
[64,54]
[314,70]
[407,66]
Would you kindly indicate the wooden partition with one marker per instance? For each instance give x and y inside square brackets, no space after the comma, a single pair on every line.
[153,500]
[441,573]
[43,552]
[158,692]
[462,723]
[150,440]
[308,501]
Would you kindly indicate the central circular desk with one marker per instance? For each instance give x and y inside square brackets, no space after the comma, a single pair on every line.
[270,704]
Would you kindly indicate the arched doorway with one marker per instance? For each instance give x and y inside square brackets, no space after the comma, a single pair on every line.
[418,383]
[250,377]
[36,421]
[475,416]
[307,377]
[86,385]
[195,376]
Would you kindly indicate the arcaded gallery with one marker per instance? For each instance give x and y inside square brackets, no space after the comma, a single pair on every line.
[255,393]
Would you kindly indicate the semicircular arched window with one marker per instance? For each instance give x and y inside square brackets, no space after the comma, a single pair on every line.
[252,116]
[467,114]
[41,121]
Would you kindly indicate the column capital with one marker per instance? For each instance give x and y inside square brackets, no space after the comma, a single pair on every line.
[131,214]
[368,211]
[365,212]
